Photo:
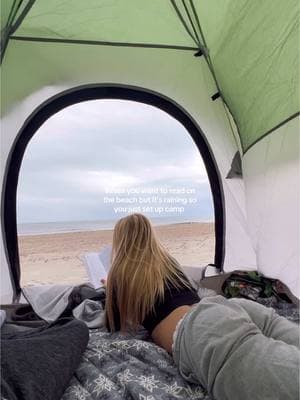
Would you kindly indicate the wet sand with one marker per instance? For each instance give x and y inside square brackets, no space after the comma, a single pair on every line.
[56,258]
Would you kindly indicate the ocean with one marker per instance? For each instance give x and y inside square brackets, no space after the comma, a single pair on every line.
[44,228]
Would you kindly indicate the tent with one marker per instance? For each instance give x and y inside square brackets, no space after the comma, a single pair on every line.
[228,70]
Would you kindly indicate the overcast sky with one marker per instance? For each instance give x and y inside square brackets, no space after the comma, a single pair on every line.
[89,150]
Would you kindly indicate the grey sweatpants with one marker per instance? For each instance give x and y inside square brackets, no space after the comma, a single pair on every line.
[239,350]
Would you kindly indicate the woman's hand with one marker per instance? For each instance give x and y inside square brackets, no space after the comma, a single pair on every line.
[103,281]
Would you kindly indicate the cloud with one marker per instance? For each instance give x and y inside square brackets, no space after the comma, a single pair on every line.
[90,147]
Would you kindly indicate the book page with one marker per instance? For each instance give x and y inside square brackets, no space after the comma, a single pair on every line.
[105,257]
[97,265]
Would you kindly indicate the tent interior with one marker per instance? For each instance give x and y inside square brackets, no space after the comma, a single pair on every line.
[227,70]
[209,62]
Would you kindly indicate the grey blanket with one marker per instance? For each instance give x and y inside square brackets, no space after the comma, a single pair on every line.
[51,302]
[38,363]
[125,367]
[116,366]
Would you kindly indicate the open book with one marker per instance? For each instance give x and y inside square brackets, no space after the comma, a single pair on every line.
[97,265]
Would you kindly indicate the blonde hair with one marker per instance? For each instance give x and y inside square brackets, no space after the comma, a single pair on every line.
[141,267]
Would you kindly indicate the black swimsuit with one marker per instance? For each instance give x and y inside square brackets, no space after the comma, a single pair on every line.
[174,297]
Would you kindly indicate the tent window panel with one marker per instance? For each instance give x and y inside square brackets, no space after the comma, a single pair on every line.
[95,162]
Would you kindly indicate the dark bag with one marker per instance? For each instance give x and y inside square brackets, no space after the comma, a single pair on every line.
[252,285]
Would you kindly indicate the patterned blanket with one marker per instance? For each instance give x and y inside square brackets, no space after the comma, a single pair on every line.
[116,366]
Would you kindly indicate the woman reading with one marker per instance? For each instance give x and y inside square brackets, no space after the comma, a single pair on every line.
[236,348]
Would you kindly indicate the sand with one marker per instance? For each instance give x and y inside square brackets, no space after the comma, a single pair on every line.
[56,258]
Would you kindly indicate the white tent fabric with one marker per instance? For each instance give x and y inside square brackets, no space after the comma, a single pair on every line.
[272,180]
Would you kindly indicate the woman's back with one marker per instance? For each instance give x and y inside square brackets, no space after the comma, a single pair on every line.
[175,296]
[145,284]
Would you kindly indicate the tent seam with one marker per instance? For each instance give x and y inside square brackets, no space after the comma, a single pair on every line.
[191,21]
[293,116]
[22,16]
[211,68]
[184,23]
[7,29]
[102,43]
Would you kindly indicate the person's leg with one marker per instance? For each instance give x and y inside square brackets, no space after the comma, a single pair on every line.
[270,323]
[220,347]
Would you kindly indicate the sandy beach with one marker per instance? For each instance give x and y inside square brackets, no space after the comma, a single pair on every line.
[56,258]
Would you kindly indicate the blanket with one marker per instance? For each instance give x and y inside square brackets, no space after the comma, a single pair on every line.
[116,366]
[38,363]
[50,302]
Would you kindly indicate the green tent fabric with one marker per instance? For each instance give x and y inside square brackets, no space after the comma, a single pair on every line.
[255,55]
[250,46]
